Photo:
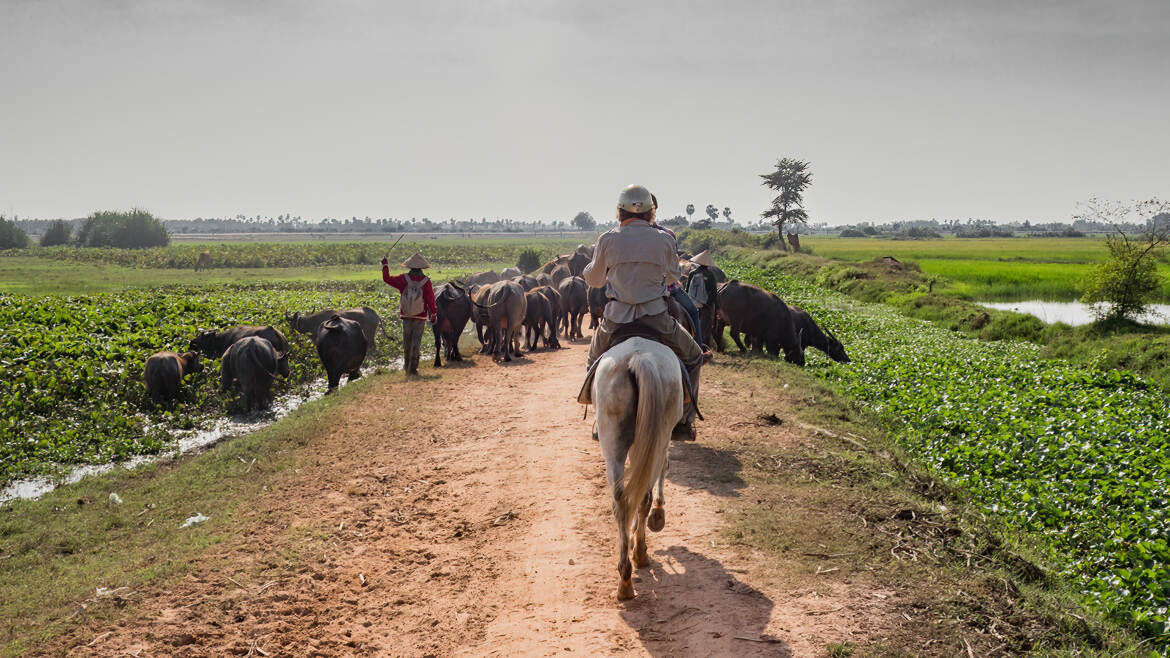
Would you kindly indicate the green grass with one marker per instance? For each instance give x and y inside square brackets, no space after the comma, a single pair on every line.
[55,551]
[1038,250]
[35,275]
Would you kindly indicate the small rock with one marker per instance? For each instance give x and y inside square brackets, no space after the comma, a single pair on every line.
[572,562]
[115,499]
[192,520]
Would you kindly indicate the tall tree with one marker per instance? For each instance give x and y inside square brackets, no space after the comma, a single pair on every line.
[790,179]
[584,221]
[727,213]
[690,210]
[712,211]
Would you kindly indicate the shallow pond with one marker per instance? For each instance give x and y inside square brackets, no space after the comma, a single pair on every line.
[1071,313]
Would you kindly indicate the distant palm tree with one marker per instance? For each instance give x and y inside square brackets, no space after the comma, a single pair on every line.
[727,213]
[690,210]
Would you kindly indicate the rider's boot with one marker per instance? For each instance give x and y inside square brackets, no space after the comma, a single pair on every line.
[685,430]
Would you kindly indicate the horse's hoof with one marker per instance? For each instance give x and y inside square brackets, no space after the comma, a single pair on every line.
[641,560]
[683,432]
[625,591]
[657,519]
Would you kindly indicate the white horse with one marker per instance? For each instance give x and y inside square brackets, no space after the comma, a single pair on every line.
[638,392]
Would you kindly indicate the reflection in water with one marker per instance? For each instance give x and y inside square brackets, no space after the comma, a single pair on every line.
[1072,313]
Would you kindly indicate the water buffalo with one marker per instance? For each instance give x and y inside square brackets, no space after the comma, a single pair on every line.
[577,263]
[560,273]
[203,262]
[597,302]
[506,310]
[526,282]
[483,278]
[548,267]
[509,272]
[811,336]
[543,279]
[164,373]
[341,344]
[574,303]
[584,249]
[538,317]
[480,308]
[554,305]
[213,343]
[252,363]
[365,316]
[454,306]
[760,314]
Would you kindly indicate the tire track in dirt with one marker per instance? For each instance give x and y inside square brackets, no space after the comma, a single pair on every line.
[468,515]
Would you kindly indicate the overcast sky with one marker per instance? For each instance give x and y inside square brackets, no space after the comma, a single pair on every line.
[535,110]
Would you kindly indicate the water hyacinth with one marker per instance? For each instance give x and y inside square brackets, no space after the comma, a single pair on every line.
[1075,454]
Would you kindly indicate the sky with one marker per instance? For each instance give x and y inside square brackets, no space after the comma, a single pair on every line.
[535,110]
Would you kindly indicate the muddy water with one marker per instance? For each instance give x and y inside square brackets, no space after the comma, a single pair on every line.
[1072,313]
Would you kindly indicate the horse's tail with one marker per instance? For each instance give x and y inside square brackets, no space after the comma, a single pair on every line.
[651,433]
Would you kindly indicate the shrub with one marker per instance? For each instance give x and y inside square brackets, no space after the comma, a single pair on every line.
[59,233]
[852,233]
[528,260]
[11,237]
[133,230]
[1123,285]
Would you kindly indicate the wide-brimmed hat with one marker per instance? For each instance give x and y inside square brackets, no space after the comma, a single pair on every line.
[704,258]
[416,262]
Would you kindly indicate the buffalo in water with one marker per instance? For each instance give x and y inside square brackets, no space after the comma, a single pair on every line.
[762,316]
[164,374]
[574,304]
[252,363]
[811,335]
[341,344]
[213,343]
[454,307]
[597,302]
[506,310]
[365,316]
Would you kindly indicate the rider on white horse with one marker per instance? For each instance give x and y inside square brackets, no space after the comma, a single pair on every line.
[635,263]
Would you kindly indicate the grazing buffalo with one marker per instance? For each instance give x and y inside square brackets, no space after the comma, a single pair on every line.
[252,363]
[537,318]
[164,373]
[365,316]
[560,273]
[506,310]
[577,263]
[509,272]
[526,282]
[341,344]
[554,304]
[597,302]
[213,343]
[762,316]
[454,306]
[810,335]
[483,278]
[203,262]
[574,304]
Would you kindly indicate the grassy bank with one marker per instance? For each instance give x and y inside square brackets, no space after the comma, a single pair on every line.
[1075,455]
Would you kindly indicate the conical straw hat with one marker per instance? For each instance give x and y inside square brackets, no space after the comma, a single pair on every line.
[416,261]
[704,258]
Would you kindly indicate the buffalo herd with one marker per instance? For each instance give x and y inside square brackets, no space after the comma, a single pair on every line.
[505,307]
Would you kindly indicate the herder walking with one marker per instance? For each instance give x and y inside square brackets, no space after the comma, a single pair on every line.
[703,290]
[417,306]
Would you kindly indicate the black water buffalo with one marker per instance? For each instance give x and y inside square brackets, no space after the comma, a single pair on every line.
[213,343]
[342,346]
[480,308]
[810,335]
[526,282]
[577,263]
[548,267]
[252,363]
[554,304]
[560,273]
[543,279]
[483,278]
[538,317]
[574,304]
[164,373]
[597,302]
[454,306]
[509,272]
[506,310]
[761,315]
[365,316]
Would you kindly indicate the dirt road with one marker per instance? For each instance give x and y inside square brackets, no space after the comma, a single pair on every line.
[466,514]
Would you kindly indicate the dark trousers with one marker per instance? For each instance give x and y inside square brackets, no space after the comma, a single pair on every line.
[684,300]
[412,333]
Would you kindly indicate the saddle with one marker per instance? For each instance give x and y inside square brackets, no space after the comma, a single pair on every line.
[625,332]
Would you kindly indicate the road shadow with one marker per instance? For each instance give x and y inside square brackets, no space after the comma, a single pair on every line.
[467,362]
[689,605]
[516,361]
[697,466]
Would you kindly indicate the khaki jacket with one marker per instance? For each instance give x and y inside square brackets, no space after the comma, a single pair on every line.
[634,263]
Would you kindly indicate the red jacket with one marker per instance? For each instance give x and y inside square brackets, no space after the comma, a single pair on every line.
[428,292]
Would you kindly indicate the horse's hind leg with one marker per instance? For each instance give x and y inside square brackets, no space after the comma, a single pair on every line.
[641,558]
[657,520]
